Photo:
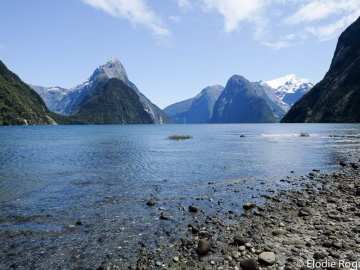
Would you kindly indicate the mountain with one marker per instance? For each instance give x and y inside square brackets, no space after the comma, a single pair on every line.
[70,104]
[337,97]
[243,101]
[195,110]
[290,88]
[19,104]
[52,96]
[112,102]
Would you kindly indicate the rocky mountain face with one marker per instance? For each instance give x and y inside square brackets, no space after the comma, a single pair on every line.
[195,110]
[52,96]
[290,88]
[243,101]
[19,104]
[337,97]
[70,104]
[112,102]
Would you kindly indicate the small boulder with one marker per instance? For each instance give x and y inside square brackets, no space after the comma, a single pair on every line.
[342,164]
[78,223]
[151,202]
[164,216]
[304,134]
[267,258]
[354,166]
[193,209]
[249,206]
[249,264]
[203,247]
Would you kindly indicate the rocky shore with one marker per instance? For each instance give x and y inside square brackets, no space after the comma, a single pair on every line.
[319,222]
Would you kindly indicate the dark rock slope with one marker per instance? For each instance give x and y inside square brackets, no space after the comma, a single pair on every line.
[337,97]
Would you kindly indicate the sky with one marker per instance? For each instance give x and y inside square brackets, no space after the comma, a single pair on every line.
[171,49]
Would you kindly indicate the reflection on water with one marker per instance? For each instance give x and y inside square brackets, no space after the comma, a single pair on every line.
[52,176]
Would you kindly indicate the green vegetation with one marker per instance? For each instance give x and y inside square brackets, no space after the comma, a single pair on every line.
[19,104]
[112,102]
[179,137]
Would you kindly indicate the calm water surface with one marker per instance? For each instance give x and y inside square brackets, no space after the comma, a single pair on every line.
[50,177]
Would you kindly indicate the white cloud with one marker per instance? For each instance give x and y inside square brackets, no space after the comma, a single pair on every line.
[325,19]
[321,9]
[236,11]
[277,45]
[136,11]
[322,19]
[329,31]
[184,3]
[175,19]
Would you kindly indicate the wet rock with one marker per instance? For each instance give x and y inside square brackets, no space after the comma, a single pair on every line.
[319,255]
[151,202]
[267,258]
[249,206]
[164,216]
[304,134]
[239,240]
[305,211]
[278,232]
[203,247]
[193,209]
[78,223]
[342,164]
[249,264]
[354,166]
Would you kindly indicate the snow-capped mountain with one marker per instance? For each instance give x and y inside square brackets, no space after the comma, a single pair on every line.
[290,88]
[52,96]
[72,100]
[243,101]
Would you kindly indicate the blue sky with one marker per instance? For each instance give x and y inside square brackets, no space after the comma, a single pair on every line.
[171,48]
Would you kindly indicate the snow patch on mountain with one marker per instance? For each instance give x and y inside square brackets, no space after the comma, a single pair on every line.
[289,88]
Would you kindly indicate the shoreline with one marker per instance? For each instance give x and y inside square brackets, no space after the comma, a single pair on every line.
[294,229]
[315,218]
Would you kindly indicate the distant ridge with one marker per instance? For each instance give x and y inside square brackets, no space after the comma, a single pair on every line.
[196,110]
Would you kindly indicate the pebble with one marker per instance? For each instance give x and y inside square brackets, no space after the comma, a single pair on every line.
[267,258]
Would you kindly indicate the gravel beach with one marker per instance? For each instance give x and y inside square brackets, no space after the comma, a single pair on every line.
[299,229]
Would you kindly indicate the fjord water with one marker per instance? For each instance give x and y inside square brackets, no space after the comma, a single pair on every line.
[53,176]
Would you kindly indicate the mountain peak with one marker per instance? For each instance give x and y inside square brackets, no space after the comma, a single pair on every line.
[111,69]
[289,88]
[237,77]
[290,80]
[211,90]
